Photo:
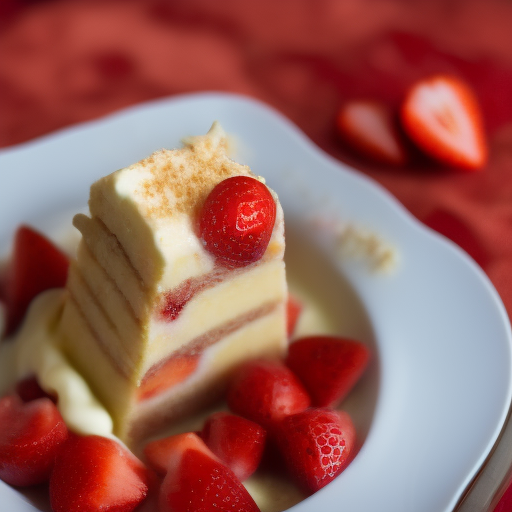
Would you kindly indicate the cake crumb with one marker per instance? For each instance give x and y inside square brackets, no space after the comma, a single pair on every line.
[356,242]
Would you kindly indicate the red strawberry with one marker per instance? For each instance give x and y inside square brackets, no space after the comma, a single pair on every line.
[36,265]
[442,116]
[195,479]
[316,445]
[293,311]
[28,389]
[31,434]
[96,473]
[160,453]
[236,441]
[265,392]
[327,366]
[237,220]
[369,128]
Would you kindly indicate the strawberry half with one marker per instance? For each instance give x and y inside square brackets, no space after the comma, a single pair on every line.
[195,479]
[369,128]
[442,116]
[236,441]
[328,366]
[237,219]
[36,265]
[265,392]
[160,453]
[31,435]
[316,445]
[94,473]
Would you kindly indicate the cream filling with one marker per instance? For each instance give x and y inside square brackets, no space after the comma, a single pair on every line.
[34,351]
[261,337]
[214,307]
[136,346]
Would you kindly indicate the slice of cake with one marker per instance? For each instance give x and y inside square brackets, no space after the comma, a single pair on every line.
[160,307]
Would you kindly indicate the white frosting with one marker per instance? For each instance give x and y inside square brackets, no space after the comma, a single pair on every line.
[151,207]
[34,351]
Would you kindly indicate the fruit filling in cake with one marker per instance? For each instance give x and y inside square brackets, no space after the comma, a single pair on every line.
[179,277]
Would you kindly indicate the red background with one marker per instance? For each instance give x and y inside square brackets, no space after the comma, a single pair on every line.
[63,62]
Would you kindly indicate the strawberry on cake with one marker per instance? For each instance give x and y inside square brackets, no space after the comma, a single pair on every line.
[179,277]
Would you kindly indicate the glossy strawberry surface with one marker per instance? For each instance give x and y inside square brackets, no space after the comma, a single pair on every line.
[328,366]
[31,435]
[237,220]
[237,442]
[317,445]
[201,483]
[195,479]
[95,473]
[265,392]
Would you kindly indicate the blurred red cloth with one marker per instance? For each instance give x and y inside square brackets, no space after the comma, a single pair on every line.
[63,62]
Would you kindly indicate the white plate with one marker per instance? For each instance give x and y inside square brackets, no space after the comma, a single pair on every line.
[439,389]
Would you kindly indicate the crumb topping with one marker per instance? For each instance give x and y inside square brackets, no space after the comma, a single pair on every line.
[178,181]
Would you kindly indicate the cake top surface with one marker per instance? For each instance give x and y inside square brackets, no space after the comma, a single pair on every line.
[170,182]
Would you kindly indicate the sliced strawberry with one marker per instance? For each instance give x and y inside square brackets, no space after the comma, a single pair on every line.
[316,445]
[369,128]
[442,116]
[237,219]
[265,392]
[94,473]
[327,366]
[36,265]
[31,435]
[236,441]
[28,389]
[197,481]
[160,453]
[293,311]
[173,371]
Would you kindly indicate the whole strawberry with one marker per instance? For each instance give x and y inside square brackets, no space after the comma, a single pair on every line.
[316,445]
[237,219]
[265,392]
[328,366]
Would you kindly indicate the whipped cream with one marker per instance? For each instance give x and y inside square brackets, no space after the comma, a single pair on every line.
[34,350]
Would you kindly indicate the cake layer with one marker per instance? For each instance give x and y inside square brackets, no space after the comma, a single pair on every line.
[136,346]
[261,285]
[257,337]
[105,333]
[107,251]
[261,337]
